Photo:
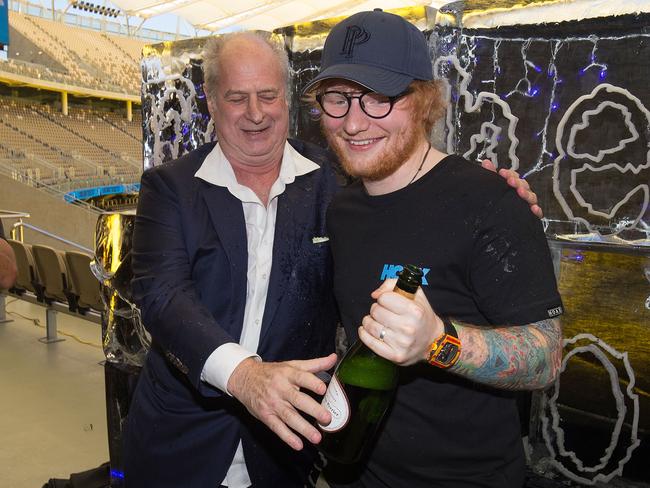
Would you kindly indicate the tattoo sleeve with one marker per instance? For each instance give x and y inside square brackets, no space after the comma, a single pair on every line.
[524,357]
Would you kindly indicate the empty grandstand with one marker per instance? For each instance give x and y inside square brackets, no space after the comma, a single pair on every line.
[67,96]
[83,58]
[85,147]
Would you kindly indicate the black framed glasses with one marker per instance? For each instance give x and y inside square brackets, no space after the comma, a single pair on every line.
[337,104]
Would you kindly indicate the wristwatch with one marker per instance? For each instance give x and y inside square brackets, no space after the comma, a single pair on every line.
[445,350]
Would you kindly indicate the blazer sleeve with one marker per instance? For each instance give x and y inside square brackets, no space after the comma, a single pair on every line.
[180,325]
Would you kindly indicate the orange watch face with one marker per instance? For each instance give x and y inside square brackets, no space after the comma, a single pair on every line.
[445,352]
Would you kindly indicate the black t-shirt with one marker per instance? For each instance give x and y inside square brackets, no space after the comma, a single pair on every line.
[486,262]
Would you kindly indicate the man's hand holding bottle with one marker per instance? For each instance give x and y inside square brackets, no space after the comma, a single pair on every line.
[399,329]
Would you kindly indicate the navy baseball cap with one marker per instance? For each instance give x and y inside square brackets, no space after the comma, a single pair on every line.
[376,49]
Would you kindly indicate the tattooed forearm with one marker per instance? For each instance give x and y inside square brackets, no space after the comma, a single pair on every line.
[519,358]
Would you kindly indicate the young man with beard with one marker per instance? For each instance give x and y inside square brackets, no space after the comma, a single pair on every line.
[484,323]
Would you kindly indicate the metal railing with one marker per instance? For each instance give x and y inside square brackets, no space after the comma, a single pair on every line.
[9,214]
[23,225]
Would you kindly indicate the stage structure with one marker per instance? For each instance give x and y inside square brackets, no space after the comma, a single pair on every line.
[564,101]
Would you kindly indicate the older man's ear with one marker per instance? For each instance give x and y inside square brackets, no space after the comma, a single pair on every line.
[519,184]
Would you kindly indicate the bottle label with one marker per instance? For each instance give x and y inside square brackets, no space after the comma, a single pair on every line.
[337,404]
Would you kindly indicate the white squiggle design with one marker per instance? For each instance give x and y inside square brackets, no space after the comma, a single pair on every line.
[471,105]
[484,136]
[598,348]
[157,122]
[627,116]
[561,155]
[186,102]
[161,119]
[621,169]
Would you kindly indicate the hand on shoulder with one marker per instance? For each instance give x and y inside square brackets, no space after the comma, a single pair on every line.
[519,184]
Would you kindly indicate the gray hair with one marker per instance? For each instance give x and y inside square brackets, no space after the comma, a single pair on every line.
[215,46]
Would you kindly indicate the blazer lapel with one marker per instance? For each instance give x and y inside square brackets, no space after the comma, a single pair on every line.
[227,217]
[292,219]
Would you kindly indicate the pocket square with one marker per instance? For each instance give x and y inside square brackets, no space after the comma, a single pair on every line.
[318,240]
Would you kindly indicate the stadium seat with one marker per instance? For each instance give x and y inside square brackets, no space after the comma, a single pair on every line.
[27,279]
[84,284]
[53,273]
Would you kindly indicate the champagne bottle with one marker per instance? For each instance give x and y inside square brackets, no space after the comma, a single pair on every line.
[361,390]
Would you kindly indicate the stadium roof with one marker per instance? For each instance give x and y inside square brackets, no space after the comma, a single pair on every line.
[226,15]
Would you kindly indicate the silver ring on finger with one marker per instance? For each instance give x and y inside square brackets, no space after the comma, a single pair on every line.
[382,334]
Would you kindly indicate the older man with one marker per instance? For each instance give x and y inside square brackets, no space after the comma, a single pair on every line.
[484,322]
[232,272]
[233,277]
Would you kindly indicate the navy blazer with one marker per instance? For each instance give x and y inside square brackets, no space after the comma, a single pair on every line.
[189,267]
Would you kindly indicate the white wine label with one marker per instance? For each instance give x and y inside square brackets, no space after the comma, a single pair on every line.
[336,402]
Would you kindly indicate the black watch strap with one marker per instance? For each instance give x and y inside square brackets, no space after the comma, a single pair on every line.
[449,327]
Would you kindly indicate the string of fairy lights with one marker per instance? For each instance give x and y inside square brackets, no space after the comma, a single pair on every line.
[524,86]
[462,57]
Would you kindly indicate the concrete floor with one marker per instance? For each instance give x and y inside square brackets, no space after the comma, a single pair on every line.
[53,420]
[52,398]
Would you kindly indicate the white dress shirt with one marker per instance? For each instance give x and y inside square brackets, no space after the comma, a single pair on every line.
[260,230]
